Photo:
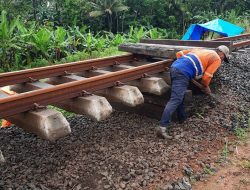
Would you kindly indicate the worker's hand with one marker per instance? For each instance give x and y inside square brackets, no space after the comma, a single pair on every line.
[206,90]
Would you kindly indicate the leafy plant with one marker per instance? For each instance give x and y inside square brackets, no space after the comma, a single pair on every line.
[225,151]
[241,134]
[107,8]
[41,42]
[136,34]
[9,42]
[117,40]
[89,42]
[60,42]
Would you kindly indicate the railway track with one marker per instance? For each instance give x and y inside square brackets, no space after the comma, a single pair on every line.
[88,87]
[234,38]
[82,86]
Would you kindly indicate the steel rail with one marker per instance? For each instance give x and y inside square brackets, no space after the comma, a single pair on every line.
[195,43]
[30,75]
[242,44]
[238,37]
[27,101]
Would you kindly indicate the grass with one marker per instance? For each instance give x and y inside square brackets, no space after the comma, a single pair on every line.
[112,51]
[242,134]
[65,113]
[245,164]
[225,151]
[199,115]
[207,170]
[78,56]
[242,127]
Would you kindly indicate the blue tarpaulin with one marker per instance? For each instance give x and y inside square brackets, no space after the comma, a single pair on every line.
[224,28]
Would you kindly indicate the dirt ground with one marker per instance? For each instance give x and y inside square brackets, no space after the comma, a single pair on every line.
[235,175]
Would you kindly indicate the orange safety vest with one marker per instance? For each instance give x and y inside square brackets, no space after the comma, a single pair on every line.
[6,124]
[208,60]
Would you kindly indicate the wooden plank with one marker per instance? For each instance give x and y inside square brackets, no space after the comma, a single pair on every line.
[196,43]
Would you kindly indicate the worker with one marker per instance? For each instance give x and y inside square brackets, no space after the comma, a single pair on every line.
[189,65]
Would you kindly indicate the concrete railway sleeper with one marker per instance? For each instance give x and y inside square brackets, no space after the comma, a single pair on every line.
[47,123]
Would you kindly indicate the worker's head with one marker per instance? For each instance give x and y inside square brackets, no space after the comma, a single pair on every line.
[223,52]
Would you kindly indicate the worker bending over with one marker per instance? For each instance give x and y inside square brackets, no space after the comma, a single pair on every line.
[190,64]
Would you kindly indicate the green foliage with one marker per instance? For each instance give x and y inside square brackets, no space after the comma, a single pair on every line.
[9,43]
[207,170]
[28,45]
[241,134]
[248,121]
[41,41]
[60,42]
[135,34]
[65,113]
[38,63]
[225,151]
[107,8]
[119,15]
[117,39]
[245,164]
[242,125]
[38,30]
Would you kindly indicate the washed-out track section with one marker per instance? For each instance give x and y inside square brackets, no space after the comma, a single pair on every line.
[137,83]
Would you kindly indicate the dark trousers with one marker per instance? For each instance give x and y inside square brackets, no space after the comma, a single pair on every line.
[180,83]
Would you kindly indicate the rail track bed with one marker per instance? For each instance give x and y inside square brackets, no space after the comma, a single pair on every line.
[92,87]
[119,150]
[115,81]
[122,152]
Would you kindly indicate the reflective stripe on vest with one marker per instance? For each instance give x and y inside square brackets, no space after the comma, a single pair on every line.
[208,74]
[196,63]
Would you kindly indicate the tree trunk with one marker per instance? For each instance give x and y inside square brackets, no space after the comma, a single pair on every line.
[183,24]
[34,4]
[122,22]
[58,14]
[110,22]
[117,22]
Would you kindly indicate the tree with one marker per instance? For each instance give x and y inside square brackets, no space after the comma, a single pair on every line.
[107,8]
